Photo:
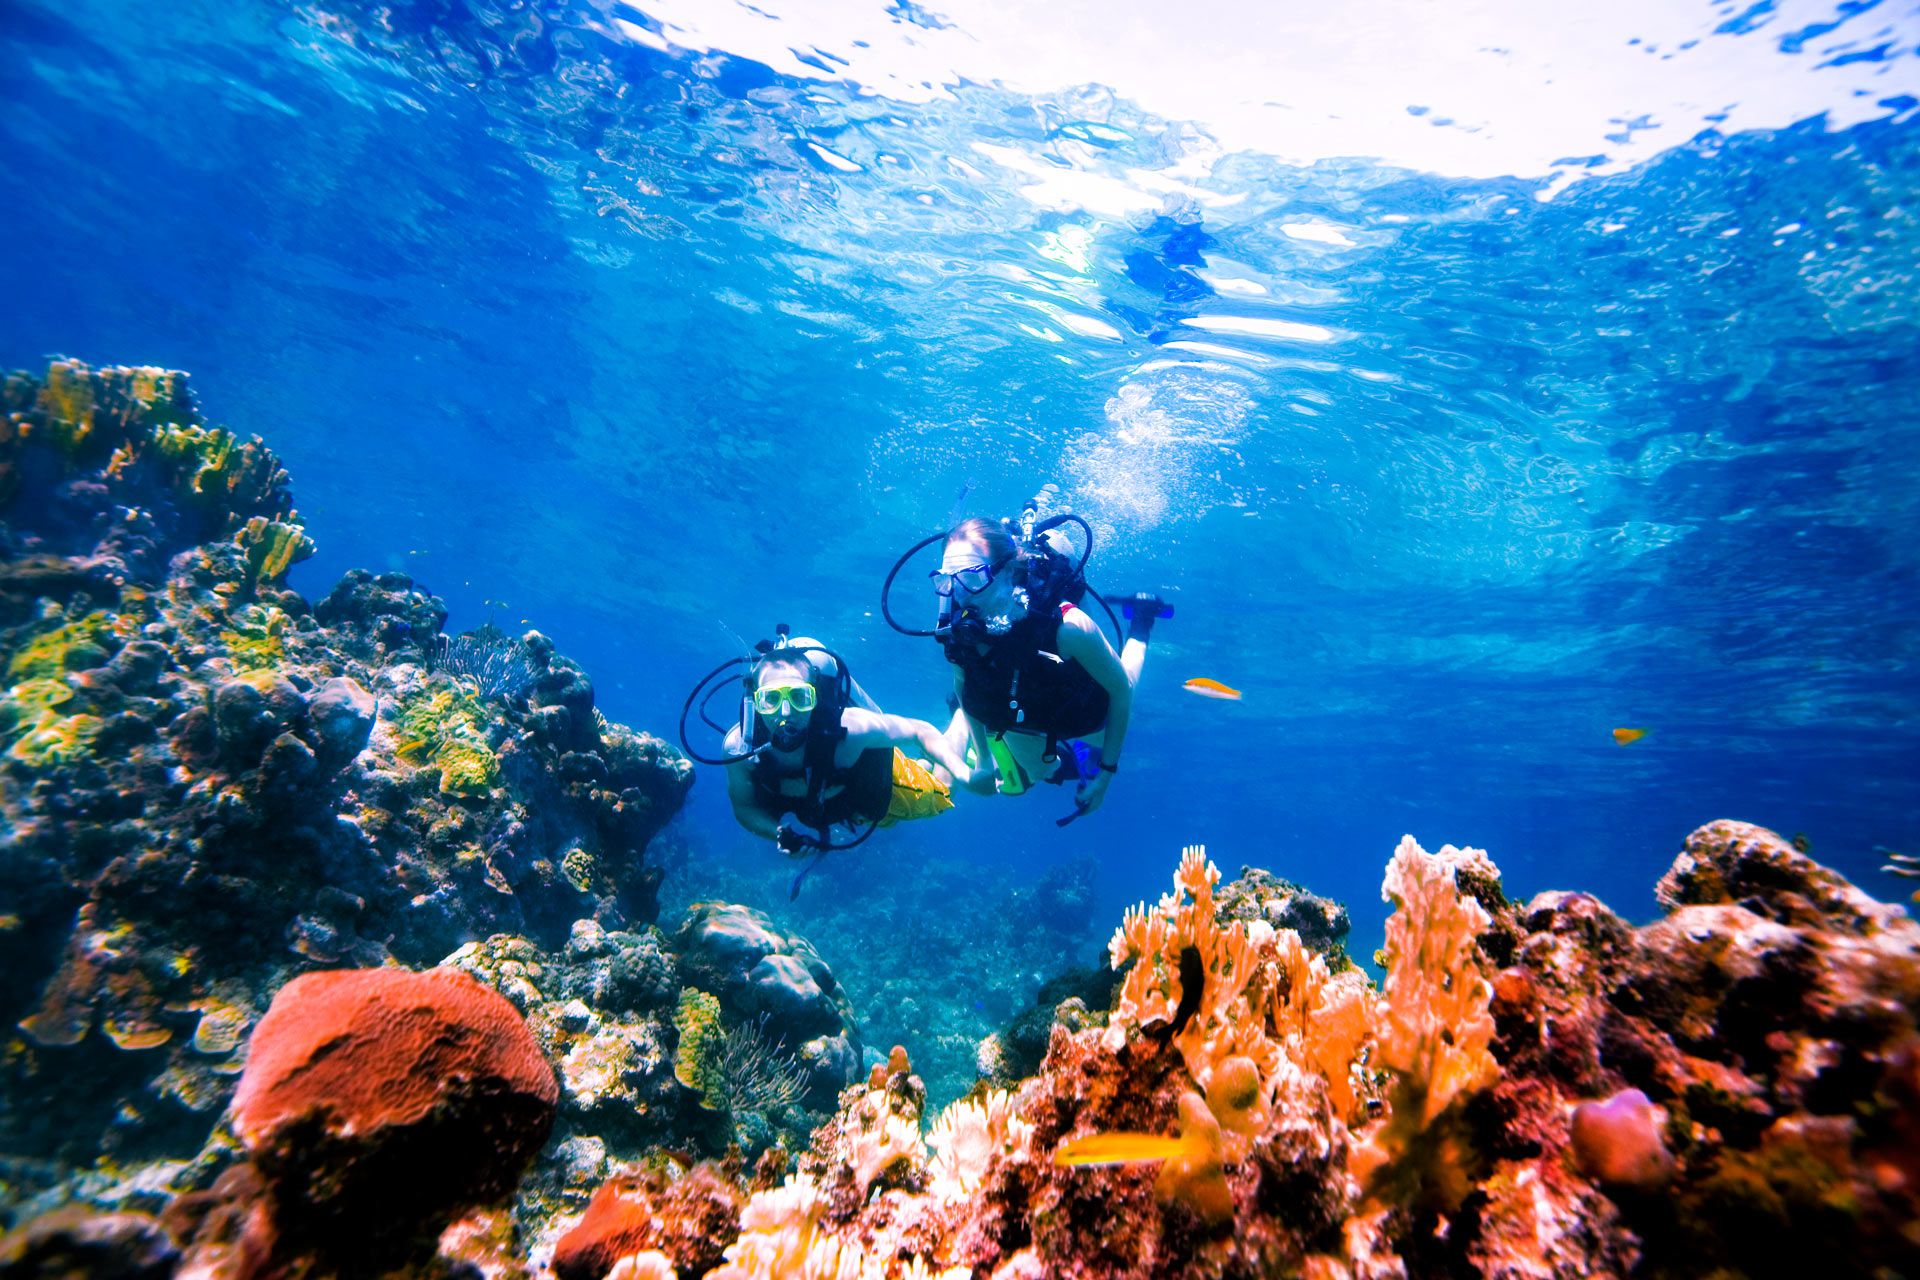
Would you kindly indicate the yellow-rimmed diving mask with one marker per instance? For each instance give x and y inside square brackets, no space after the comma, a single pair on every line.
[776,699]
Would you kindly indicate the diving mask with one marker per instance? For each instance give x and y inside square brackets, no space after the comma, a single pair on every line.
[973,579]
[778,699]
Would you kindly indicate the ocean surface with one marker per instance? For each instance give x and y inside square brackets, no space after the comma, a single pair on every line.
[1474,385]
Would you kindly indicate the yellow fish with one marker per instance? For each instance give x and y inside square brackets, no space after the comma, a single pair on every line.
[1125,1148]
[1211,689]
[1624,736]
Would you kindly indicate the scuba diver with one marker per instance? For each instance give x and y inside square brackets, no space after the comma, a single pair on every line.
[810,743]
[1039,691]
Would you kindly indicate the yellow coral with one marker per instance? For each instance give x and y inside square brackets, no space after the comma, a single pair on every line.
[256,642]
[45,656]
[1436,1028]
[578,867]
[273,546]
[209,449]
[698,1022]
[67,400]
[967,1136]
[53,740]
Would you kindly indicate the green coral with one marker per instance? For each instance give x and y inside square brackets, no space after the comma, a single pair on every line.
[447,728]
[696,1062]
[46,656]
[256,642]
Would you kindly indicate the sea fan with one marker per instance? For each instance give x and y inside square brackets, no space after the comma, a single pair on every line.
[496,664]
[753,1072]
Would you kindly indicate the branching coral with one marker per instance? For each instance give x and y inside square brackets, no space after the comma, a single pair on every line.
[1178,945]
[1323,1020]
[1436,1031]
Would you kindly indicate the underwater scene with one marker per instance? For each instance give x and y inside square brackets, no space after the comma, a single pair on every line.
[877,640]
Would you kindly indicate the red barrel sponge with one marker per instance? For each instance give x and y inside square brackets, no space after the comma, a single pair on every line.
[381,1103]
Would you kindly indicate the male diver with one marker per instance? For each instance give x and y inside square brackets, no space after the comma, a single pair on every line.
[1041,693]
[812,745]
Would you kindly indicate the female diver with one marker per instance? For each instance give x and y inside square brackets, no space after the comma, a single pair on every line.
[1032,672]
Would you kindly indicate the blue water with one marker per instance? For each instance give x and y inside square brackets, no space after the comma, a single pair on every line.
[652,349]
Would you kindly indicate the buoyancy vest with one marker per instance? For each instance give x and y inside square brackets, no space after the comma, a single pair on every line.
[1022,682]
[866,785]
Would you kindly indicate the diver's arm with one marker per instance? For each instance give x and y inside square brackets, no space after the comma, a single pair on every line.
[869,729]
[982,777]
[745,809]
[1083,642]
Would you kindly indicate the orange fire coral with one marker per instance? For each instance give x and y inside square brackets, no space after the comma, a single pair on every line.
[1436,1031]
[1191,977]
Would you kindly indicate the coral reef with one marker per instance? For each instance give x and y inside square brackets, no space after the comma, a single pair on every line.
[214,791]
[210,785]
[1664,1101]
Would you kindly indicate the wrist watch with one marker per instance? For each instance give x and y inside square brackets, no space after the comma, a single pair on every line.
[1109,768]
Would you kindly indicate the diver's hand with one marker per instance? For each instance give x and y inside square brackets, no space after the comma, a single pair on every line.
[1089,795]
[794,843]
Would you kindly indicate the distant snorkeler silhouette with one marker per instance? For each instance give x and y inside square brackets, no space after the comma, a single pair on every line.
[1039,691]
[808,742]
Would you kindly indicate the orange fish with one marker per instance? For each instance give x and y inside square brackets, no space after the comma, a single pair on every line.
[1624,736]
[1211,689]
[1125,1148]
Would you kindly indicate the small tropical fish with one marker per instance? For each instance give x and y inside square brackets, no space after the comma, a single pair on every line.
[1624,736]
[1193,980]
[1214,689]
[1126,1148]
[1802,842]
